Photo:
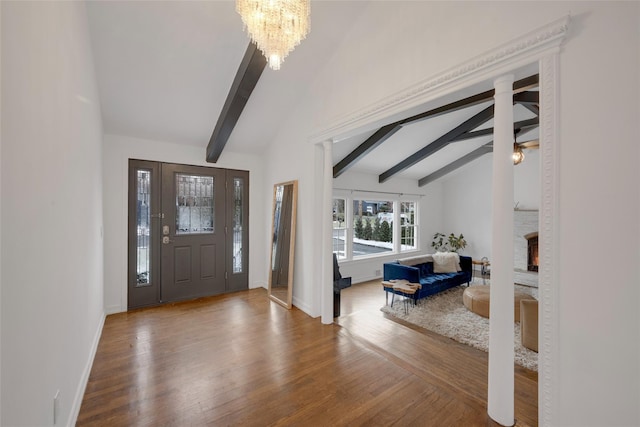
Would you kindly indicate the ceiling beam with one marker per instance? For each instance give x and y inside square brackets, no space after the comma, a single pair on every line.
[475,134]
[245,81]
[468,158]
[526,125]
[365,148]
[529,100]
[517,126]
[469,124]
[525,84]
[385,132]
[529,97]
[534,108]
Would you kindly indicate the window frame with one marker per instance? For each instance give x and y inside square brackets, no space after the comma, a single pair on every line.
[349,199]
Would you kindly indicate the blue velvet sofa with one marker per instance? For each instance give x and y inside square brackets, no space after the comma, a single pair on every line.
[420,270]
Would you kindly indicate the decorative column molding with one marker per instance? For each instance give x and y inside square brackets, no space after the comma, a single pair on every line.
[326,291]
[548,282]
[501,316]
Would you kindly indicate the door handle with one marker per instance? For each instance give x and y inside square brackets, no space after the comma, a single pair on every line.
[166,240]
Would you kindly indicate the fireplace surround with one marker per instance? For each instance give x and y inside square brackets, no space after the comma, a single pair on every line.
[532,251]
[525,247]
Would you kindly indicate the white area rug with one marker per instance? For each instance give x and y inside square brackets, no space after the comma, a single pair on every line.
[445,314]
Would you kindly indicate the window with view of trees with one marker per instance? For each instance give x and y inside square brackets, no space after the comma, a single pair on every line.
[364,227]
[372,227]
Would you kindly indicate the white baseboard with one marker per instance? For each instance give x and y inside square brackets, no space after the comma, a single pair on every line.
[77,401]
[356,280]
[304,307]
[259,284]
[113,309]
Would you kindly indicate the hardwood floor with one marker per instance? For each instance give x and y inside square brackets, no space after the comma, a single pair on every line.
[240,359]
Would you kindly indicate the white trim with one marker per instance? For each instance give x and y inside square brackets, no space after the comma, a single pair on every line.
[298,303]
[113,309]
[549,241]
[514,54]
[124,232]
[542,46]
[326,296]
[84,380]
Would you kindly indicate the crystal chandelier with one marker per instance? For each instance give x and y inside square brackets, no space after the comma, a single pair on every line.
[276,26]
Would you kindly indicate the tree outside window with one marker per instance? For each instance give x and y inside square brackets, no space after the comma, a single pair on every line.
[339,228]
[372,225]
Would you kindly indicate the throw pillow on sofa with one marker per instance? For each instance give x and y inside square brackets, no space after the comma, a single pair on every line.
[446,262]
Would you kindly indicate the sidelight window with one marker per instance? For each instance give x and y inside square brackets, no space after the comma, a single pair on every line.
[238,184]
[143,225]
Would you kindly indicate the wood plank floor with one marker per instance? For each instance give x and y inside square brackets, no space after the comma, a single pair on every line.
[240,359]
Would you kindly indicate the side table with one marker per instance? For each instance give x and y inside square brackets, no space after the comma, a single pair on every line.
[403,288]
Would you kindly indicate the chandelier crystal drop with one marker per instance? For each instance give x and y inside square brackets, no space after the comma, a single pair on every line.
[276,26]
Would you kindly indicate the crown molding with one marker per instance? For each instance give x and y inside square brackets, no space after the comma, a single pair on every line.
[518,52]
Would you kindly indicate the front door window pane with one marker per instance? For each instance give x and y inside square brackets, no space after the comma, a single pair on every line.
[143,224]
[194,204]
[238,185]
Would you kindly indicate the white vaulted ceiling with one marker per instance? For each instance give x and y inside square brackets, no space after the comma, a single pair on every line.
[164,70]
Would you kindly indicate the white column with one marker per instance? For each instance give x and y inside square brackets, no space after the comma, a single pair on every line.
[501,315]
[326,292]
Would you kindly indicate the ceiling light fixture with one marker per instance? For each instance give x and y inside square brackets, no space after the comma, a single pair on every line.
[276,26]
[518,155]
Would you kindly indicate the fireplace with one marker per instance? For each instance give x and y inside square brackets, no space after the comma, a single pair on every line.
[532,251]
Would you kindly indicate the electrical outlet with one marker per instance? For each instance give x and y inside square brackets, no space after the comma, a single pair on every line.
[56,407]
[378,273]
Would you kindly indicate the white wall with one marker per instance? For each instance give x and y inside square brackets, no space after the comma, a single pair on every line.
[396,44]
[52,269]
[467,203]
[467,199]
[291,157]
[429,216]
[117,152]
[0,215]
[600,362]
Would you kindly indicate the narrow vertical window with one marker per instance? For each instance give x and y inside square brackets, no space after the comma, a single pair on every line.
[408,228]
[143,224]
[238,189]
[339,228]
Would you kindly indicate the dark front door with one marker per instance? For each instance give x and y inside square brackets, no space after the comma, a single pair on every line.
[188,232]
[193,232]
